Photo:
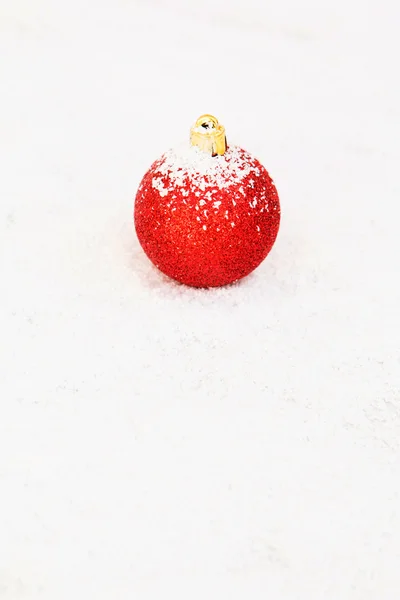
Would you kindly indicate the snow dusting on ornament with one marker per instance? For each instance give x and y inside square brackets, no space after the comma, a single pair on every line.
[205,170]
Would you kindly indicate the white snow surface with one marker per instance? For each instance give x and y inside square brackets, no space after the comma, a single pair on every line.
[159,441]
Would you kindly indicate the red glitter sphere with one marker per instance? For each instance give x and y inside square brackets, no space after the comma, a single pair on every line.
[206,220]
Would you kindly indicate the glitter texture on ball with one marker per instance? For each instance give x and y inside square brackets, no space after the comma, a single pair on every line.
[205,220]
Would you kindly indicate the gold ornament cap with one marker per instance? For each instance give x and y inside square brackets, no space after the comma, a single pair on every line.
[208,135]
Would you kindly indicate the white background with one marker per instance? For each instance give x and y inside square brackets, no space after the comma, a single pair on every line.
[158,441]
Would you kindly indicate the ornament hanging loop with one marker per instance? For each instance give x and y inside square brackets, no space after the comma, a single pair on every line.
[208,135]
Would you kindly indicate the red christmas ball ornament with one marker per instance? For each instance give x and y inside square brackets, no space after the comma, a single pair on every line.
[207,214]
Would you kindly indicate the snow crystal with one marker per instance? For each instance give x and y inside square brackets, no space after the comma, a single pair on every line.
[158,184]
